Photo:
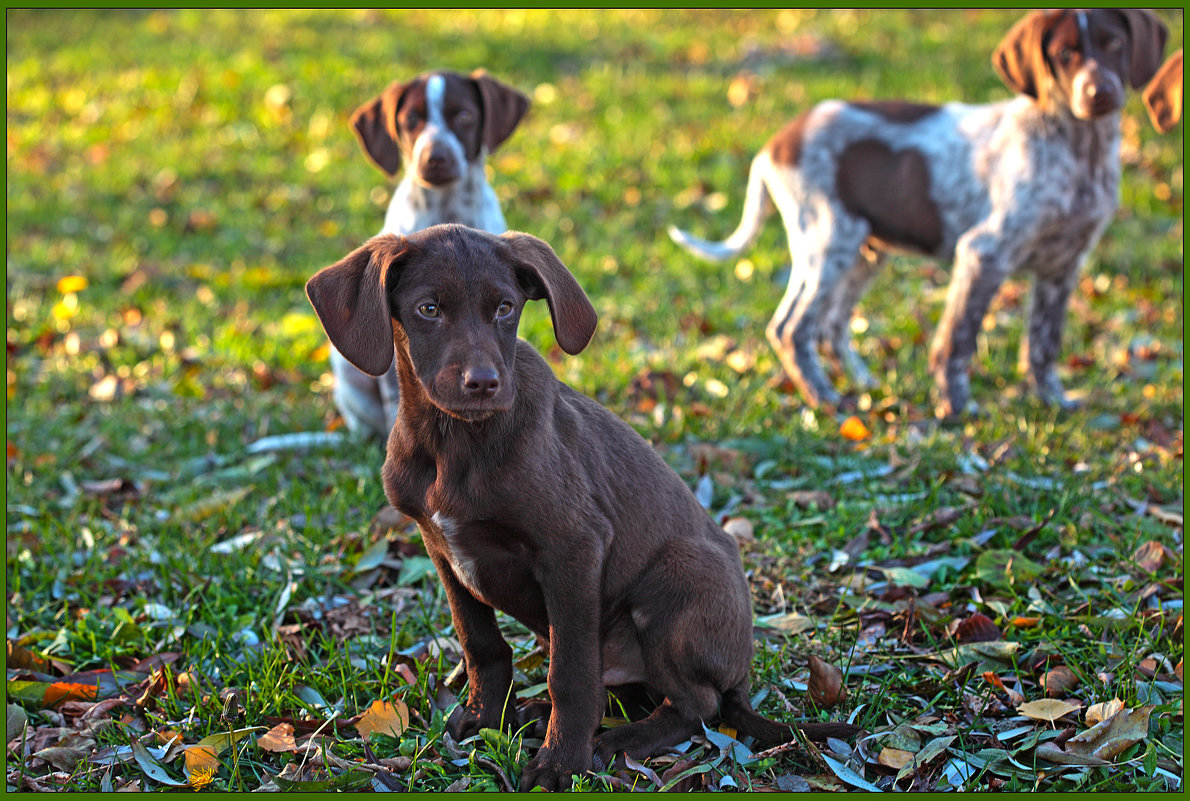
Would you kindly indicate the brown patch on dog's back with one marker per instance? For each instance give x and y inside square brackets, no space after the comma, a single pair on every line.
[785,147]
[892,192]
[896,110]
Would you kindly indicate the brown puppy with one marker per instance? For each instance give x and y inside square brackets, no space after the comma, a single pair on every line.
[535,500]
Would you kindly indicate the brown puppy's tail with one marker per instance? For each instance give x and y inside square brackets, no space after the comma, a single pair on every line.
[738,713]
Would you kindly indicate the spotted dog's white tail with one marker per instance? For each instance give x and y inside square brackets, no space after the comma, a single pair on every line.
[757,208]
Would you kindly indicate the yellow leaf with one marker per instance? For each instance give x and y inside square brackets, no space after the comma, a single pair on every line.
[278,738]
[384,718]
[201,765]
[1048,709]
[894,758]
[854,429]
[72,283]
[1097,713]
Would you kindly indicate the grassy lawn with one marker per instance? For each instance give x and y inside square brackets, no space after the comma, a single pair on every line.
[187,608]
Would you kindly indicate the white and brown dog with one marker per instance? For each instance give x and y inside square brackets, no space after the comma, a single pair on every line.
[441,126]
[1023,185]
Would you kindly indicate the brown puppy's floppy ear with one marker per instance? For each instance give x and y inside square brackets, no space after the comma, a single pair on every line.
[1148,43]
[503,108]
[1163,95]
[542,275]
[351,300]
[375,123]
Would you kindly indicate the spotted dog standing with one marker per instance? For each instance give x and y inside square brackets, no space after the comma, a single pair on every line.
[441,126]
[1023,185]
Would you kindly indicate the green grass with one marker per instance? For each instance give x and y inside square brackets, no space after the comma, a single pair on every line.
[196,167]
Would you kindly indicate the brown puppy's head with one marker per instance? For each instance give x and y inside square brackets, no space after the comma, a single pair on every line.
[1083,60]
[438,122]
[450,298]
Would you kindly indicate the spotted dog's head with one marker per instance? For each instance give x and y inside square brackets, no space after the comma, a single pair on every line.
[1083,60]
[438,123]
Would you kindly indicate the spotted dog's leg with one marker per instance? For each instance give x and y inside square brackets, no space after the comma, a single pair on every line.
[835,327]
[983,260]
[1042,343]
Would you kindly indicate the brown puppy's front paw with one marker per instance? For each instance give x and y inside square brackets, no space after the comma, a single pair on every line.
[551,771]
[535,715]
[468,719]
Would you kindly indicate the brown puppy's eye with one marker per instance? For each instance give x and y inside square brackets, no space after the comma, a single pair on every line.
[428,310]
[503,310]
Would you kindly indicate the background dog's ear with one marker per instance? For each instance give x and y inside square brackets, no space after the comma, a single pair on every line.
[1163,95]
[503,108]
[1019,59]
[375,123]
[543,275]
[351,300]
[1148,44]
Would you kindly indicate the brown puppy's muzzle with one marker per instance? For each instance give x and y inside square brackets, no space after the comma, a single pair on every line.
[472,392]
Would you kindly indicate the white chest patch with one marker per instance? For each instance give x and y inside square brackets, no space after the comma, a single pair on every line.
[463,565]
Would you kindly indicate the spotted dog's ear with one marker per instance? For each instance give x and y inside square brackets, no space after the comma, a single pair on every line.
[375,124]
[1019,59]
[1148,43]
[351,300]
[543,275]
[1163,95]
[503,108]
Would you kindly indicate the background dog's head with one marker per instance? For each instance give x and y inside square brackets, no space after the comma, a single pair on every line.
[451,298]
[438,122]
[1081,59]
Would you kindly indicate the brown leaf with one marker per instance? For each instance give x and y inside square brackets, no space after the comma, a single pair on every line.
[804,499]
[17,656]
[1097,713]
[69,752]
[383,717]
[1112,736]
[1149,556]
[978,628]
[825,686]
[1048,709]
[1058,681]
[278,738]
[740,528]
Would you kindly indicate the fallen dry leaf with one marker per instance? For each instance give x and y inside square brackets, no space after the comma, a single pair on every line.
[825,686]
[201,765]
[1149,556]
[1014,697]
[1048,709]
[854,429]
[1058,681]
[383,717]
[278,738]
[977,628]
[1109,738]
[894,758]
[740,528]
[1097,713]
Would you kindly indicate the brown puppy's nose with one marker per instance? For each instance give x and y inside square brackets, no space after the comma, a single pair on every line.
[481,382]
